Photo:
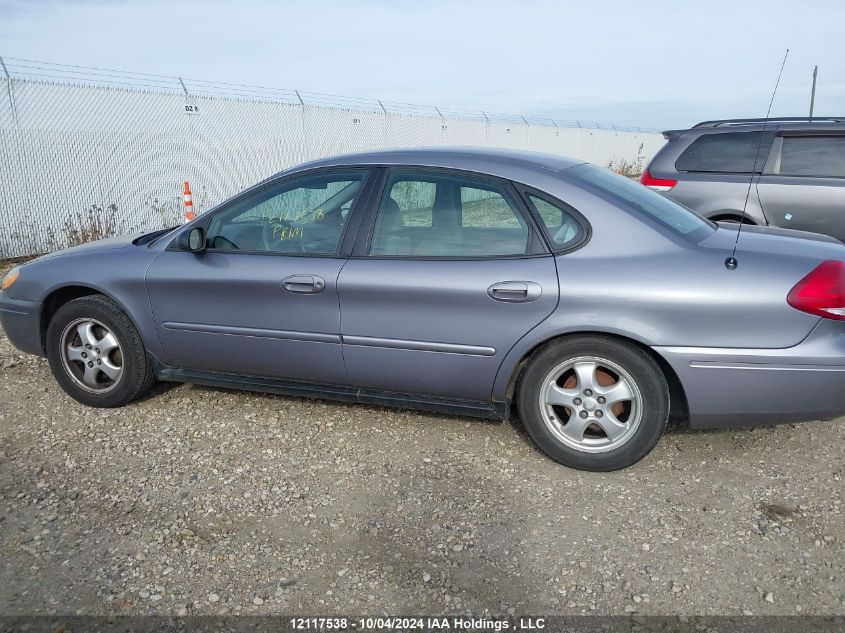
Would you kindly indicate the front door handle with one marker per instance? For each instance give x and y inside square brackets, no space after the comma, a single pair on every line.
[304,284]
[515,291]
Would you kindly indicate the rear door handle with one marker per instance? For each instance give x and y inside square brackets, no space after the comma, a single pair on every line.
[304,284]
[515,291]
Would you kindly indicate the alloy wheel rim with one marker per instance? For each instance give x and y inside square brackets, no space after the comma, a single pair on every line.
[591,404]
[91,355]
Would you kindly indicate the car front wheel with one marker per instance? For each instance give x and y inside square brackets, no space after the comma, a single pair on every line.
[96,353]
[594,402]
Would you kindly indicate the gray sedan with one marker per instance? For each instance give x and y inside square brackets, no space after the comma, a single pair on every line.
[457,280]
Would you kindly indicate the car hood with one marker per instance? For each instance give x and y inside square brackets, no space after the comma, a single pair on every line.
[110,243]
[764,239]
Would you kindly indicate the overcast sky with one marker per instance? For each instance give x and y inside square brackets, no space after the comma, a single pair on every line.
[653,64]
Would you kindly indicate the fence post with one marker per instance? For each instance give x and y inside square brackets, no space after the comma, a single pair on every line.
[304,126]
[386,122]
[9,91]
[486,125]
[557,135]
[442,125]
[527,131]
[7,248]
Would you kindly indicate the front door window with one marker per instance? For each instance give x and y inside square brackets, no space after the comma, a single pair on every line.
[305,215]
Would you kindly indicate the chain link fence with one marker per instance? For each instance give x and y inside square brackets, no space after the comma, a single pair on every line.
[87,153]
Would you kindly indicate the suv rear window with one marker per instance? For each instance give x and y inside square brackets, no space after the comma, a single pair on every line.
[728,152]
[822,156]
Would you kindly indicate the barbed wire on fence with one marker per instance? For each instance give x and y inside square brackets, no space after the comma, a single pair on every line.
[92,75]
[90,152]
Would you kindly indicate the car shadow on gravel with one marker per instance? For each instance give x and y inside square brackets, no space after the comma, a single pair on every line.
[677,427]
[158,390]
[679,437]
[269,396]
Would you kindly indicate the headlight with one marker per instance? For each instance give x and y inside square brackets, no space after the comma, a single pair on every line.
[11,277]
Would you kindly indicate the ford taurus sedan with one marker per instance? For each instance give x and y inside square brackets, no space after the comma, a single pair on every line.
[457,280]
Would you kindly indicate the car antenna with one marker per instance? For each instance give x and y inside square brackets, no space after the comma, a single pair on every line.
[731,263]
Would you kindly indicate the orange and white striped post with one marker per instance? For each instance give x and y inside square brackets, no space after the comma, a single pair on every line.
[189,203]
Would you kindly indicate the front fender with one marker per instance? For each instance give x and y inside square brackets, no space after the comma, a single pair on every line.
[116,273]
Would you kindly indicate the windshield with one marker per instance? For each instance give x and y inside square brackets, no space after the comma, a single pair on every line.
[633,195]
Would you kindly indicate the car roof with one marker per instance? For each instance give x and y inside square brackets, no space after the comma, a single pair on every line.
[753,125]
[505,163]
[790,120]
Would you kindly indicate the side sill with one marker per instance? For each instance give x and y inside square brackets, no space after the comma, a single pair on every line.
[455,406]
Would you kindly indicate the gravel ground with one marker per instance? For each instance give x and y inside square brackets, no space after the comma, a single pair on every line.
[206,501]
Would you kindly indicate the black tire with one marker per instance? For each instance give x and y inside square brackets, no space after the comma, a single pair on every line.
[639,365]
[137,371]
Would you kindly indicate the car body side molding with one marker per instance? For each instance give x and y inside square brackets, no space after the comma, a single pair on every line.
[427,346]
[317,337]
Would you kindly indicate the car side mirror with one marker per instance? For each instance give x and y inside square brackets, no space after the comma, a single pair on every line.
[195,240]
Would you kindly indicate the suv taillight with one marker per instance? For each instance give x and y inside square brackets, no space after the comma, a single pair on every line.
[658,184]
[822,292]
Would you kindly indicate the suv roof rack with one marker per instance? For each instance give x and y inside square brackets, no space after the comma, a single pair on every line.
[784,119]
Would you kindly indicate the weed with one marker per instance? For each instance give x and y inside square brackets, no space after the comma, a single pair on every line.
[94,224]
[631,169]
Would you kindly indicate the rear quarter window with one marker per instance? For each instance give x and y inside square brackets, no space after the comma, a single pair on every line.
[727,152]
[561,226]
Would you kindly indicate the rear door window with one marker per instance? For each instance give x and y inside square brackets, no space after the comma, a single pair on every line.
[820,156]
[426,214]
[727,152]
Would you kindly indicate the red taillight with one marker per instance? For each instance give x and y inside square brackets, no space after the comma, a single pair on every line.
[658,184]
[822,292]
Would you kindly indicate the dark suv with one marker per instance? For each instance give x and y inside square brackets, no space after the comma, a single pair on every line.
[798,167]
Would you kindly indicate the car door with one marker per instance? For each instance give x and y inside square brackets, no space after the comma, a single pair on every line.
[803,186]
[450,275]
[261,300]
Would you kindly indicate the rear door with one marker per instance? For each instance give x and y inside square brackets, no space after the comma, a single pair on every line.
[803,186]
[450,275]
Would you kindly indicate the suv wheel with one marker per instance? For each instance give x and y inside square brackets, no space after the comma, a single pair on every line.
[733,219]
[594,403]
[96,354]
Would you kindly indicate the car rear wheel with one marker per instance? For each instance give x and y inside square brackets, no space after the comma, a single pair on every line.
[593,402]
[96,353]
